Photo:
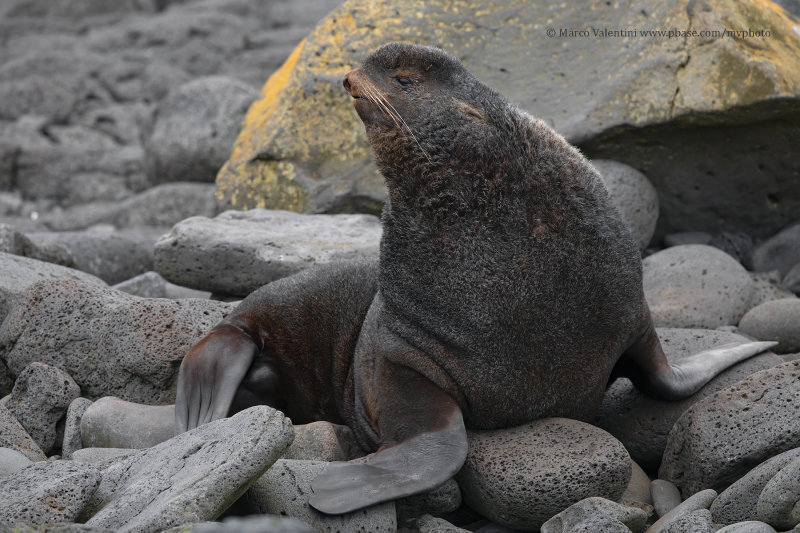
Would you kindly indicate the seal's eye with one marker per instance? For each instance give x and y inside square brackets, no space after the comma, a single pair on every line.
[404,82]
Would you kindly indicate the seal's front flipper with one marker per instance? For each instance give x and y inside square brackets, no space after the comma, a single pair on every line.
[431,447]
[647,366]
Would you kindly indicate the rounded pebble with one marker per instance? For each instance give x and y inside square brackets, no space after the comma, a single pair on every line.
[778,320]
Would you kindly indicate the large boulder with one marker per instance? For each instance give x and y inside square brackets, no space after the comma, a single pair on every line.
[239,251]
[195,128]
[695,286]
[641,422]
[655,103]
[192,477]
[111,343]
[724,436]
[520,477]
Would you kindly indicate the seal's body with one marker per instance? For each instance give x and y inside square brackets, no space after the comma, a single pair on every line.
[508,289]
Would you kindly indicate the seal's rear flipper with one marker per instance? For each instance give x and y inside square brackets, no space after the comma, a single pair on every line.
[647,366]
[422,461]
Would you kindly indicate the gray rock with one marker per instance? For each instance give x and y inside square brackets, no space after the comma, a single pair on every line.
[778,502]
[634,197]
[239,251]
[159,206]
[750,526]
[780,252]
[727,434]
[695,286]
[687,237]
[642,423]
[19,273]
[791,281]
[44,492]
[284,490]
[666,496]
[323,441]
[736,244]
[12,461]
[112,257]
[114,423]
[739,502]
[125,123]
[152,285]
[14,436]
[40,399]
[72,427]
[430,524]
[437,501]
[101,457]
[637,493]
[111,343]
[580,511]
[701,500]
[195,127]
[778,320]
[768,287]
[520,477]
[192,477]
[246,524]
[698,521]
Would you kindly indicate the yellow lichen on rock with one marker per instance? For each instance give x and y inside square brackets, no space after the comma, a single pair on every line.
[302,146]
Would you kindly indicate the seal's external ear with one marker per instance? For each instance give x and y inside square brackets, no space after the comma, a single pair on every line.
[470,111]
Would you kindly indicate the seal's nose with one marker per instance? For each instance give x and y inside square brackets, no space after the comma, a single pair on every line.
[346,81]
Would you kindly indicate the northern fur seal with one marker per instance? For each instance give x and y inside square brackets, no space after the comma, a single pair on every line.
[507,289]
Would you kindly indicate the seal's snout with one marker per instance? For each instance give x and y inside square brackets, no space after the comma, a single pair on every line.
[346,82]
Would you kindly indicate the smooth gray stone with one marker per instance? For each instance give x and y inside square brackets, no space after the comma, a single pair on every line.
[736,244]
[779,502]
[284,489]
[698,521]
[40,398]
[47,491]
[192,477]
[113,423]
[778,320]
[72,427]
[695,286]
[566,460]
[12,461]
[634,197]
[725,435]
[237,252]
[13,435]
[637,493]
[750,526]
[791,281]
[739,502]
[633,518]
[701,500]
[111,343]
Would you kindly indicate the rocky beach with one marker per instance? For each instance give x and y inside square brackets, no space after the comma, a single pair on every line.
[162,159]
